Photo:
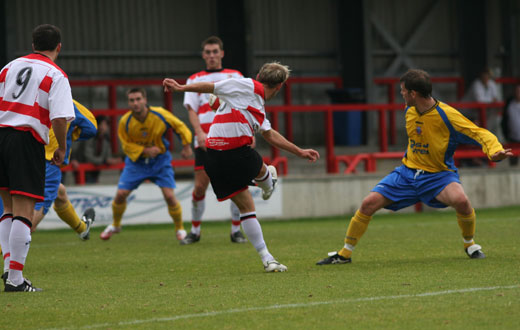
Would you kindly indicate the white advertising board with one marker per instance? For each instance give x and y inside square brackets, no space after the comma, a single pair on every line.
[146,204]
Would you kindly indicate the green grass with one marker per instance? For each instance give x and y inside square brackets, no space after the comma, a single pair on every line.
[403,275]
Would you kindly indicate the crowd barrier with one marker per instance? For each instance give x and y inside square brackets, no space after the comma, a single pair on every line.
[386,121]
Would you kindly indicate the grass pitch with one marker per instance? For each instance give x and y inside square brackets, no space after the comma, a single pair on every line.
[409,271]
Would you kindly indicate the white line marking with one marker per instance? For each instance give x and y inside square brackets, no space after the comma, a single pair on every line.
[299,305]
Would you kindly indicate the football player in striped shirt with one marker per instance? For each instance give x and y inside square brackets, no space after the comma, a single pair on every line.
[35,94]
[231,163]
[201,116]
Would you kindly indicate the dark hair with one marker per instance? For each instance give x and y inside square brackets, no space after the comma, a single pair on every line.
[213,40]
[101,118]
[136,90]
[46,37]
[417,80]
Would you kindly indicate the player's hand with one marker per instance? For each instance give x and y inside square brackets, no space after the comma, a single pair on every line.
[502,154]
[151,152]
[59,157]
[201,140]
[186,151]
[171,85]
[311,154]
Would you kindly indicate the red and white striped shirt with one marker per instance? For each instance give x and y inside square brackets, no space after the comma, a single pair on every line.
[199,102]
[33,92]
[240,114]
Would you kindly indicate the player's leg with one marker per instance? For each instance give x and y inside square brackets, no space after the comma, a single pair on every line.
[19,239]
[253,230]
[453,195]
[266,180]
[118,208]
[6,220]
[236,235]
[175,211]
[132,176]
[373,202]
[67,213]
[198,204]
[394,191]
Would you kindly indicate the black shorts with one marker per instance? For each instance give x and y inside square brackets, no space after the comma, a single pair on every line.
[231,171]
[200,158]
[22,163]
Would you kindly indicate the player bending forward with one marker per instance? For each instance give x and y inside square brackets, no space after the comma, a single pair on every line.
[232,164]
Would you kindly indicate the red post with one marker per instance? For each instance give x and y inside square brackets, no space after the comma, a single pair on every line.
[112,104]
[482,114]
[391,92]
[288,115]
[332,165]
[383,132]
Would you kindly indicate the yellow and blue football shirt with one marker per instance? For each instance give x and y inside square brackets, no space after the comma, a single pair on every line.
[434,135]
[135,135]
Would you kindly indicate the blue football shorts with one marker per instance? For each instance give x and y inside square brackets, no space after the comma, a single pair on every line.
[52,183]
[405,186]
[159,170]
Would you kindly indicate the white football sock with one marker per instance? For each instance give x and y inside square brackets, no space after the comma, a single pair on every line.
[265,182]
[235,217]
[198,205]
[253,232]
[19,243]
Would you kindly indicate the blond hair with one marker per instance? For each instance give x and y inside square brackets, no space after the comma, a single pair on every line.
[273,74]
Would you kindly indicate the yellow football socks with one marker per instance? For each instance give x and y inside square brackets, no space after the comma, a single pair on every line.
[357,227]
[176,214]
[69,216]
[467,226]
[117,213]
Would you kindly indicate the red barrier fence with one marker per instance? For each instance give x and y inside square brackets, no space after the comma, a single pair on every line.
[386,112]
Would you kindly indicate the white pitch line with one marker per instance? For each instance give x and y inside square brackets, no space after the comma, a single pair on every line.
[298,305]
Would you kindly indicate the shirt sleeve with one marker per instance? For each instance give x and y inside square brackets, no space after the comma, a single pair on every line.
[179,127]
[60,99]
[487,140]
[191,99]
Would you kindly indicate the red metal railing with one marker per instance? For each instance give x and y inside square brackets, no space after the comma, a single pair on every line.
[332,159]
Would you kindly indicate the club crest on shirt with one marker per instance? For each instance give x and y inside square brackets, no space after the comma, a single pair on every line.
[144,133]
[418,129]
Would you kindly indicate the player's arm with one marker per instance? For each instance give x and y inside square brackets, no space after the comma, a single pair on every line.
[199,87]
[471,133]
[183,131]
[195,123]
[59,126]
[276,139]
[85,122]
[132,150]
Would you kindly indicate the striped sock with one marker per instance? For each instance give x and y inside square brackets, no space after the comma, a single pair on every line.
[235,217]
[198,205]
[19,243]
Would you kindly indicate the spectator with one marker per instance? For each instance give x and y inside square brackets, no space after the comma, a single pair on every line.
[96,151]
[483,90]
[511,121]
